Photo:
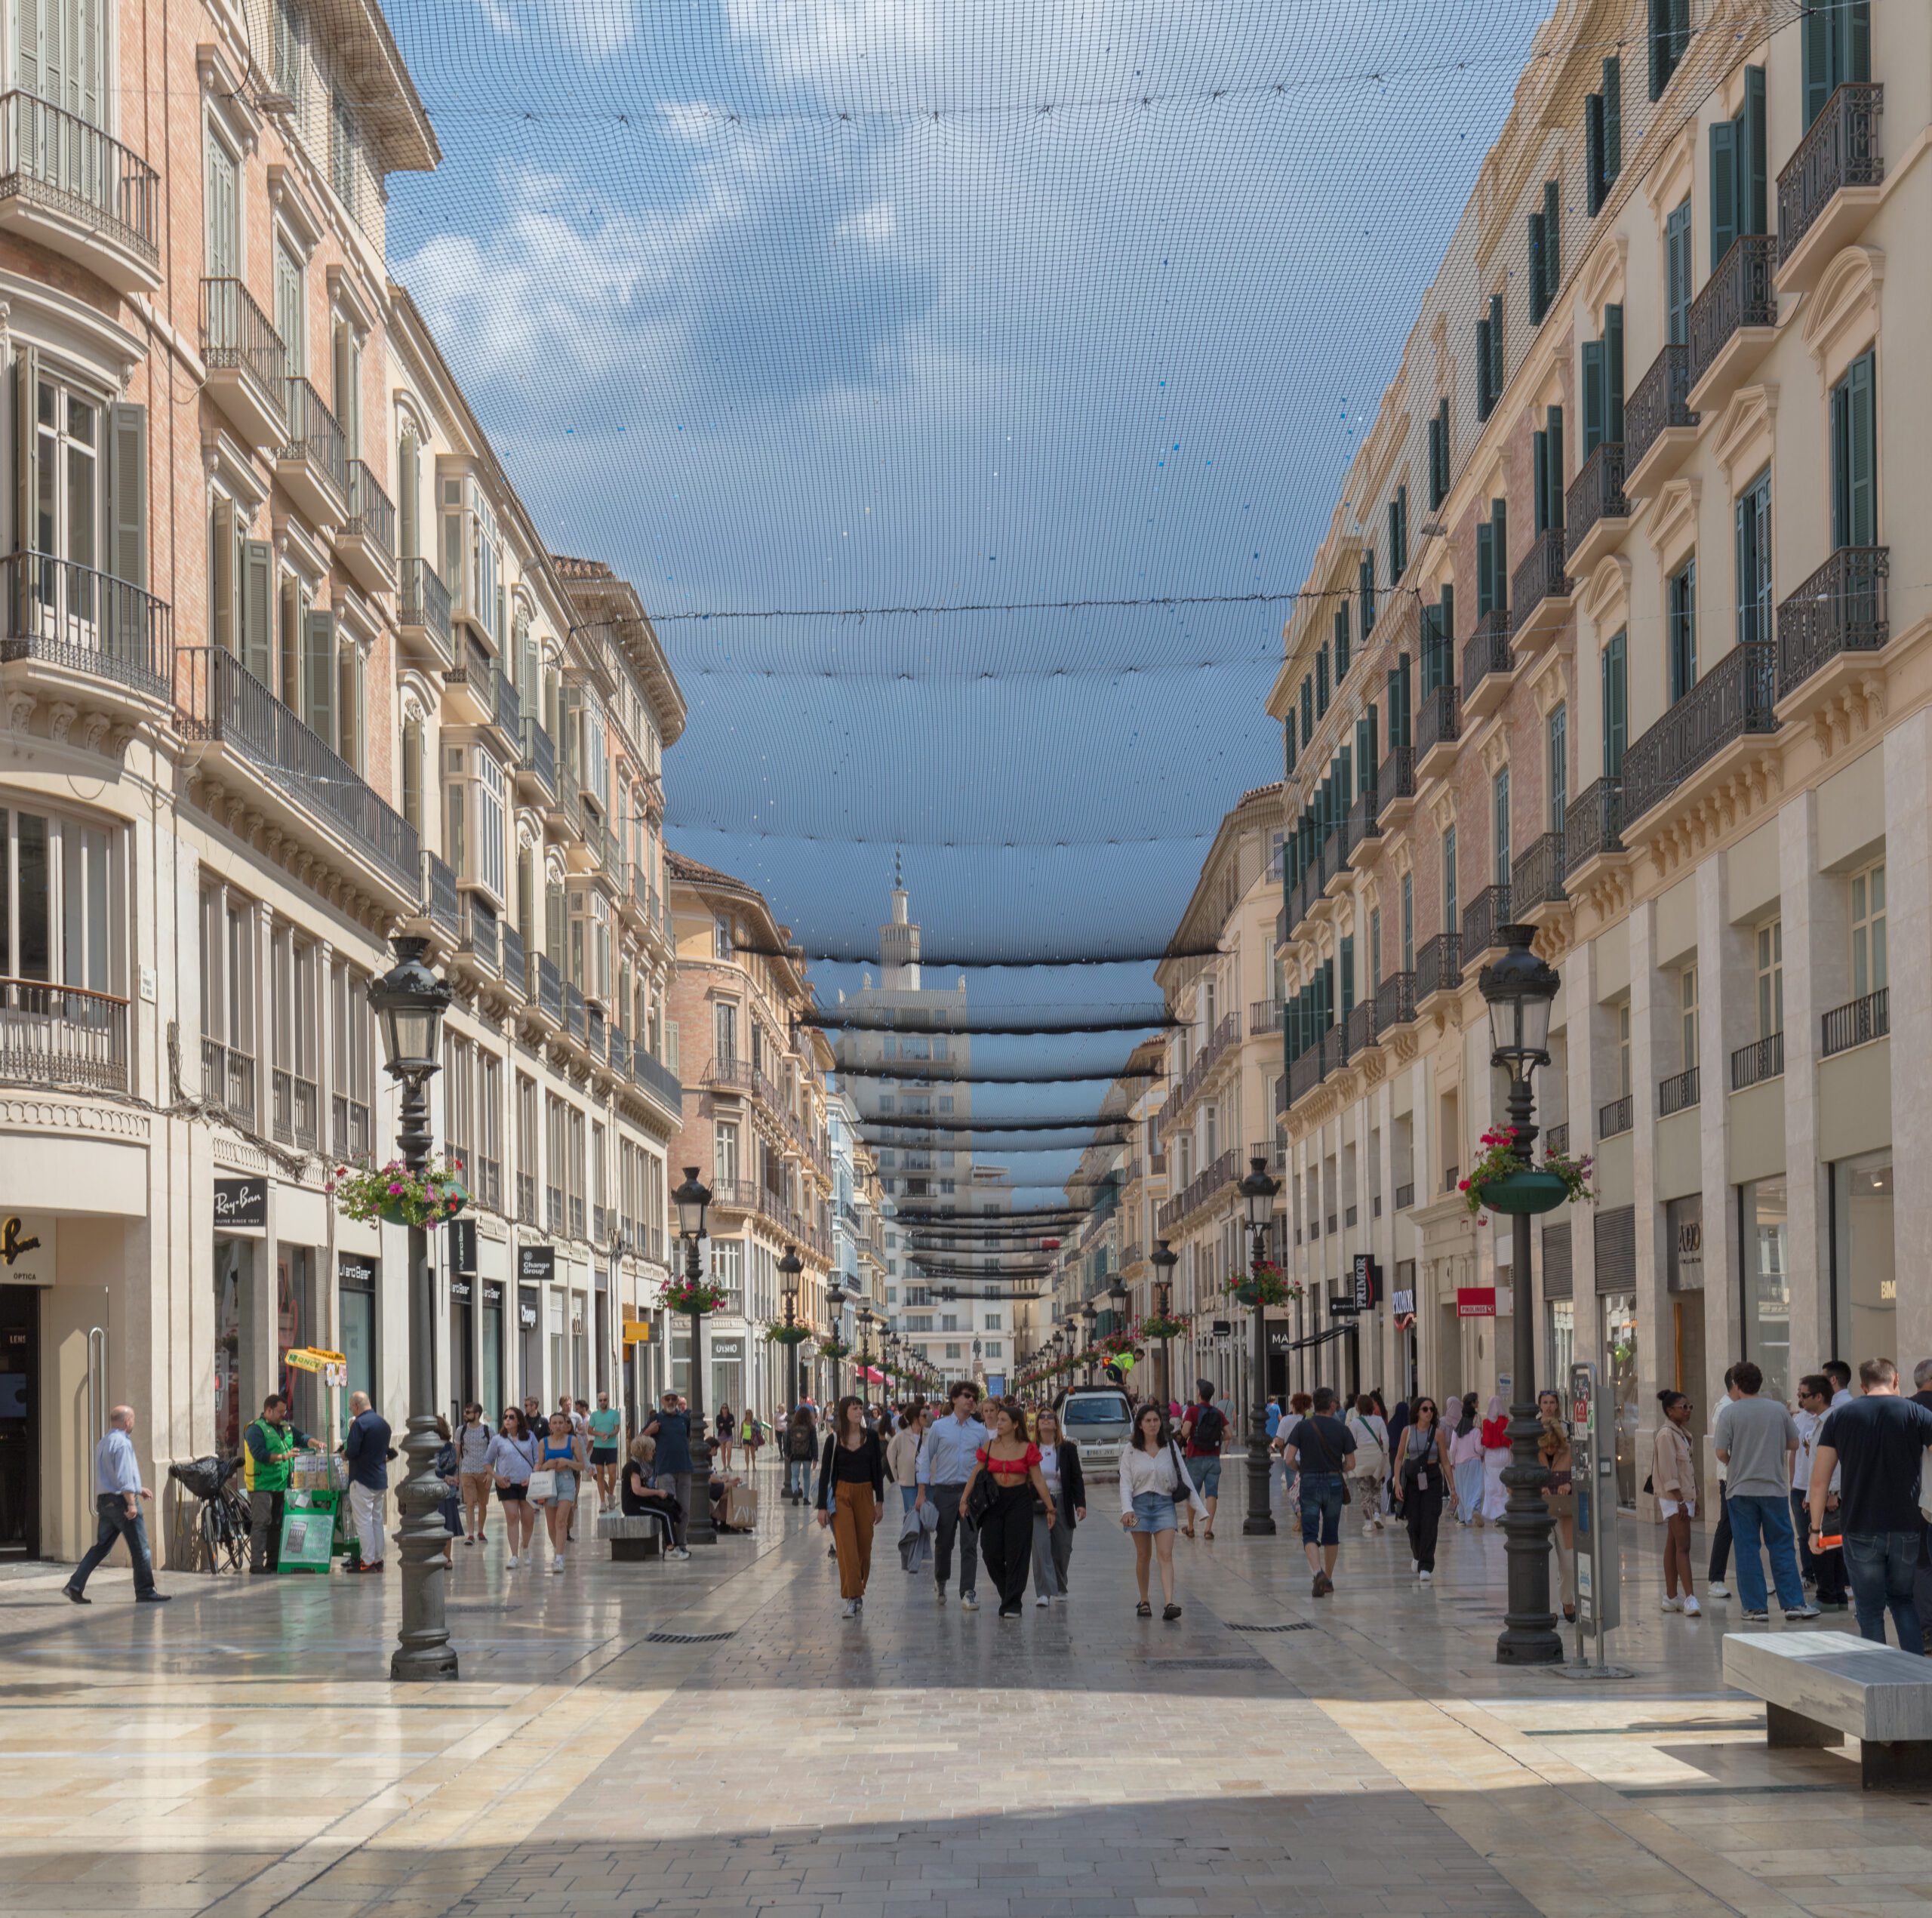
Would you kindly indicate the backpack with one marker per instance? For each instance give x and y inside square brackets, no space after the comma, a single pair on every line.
[1210,1422]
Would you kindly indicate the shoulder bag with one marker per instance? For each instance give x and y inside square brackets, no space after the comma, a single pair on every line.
[984,1496]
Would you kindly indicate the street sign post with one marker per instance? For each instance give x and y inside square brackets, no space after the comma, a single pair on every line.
[1593,1414]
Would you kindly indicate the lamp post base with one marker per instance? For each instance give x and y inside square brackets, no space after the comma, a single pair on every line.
[1259,1523]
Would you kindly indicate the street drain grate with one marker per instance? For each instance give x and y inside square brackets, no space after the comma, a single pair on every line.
[1300,1625]
[686,1638]
[1201,1664]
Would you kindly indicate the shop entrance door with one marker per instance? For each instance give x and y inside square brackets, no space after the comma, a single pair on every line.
[19,1422]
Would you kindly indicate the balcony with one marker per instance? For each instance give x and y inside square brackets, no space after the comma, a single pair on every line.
[1595,511]
[1830,186]
[484,696]
[1394,1002]
[596,1033]
[1733,323]
[660,1084]
[1488,663]
[1361,831]
[423,612]
[366,543]
[545,991]
[1733,702]
[247,365]
[63,1035]
[1660,428]
[1677,1094]
[1304,1073]
[1438,726]
[1483,921]
[1557,1138]
[1841,612]
[1438,967]
[1359,1028]
[515,969]
[1395,787]
[479,939]
[1535,878]
[577,1017]
[349,1136]
[536,763]
[78,191]
[298,783]
[1224,1172]
[312,461]
[228,1080]
[1540,589]
[295,1103]
[1761,1059]
[1615,1118]
[74,620]
[1264,1016]
[442,907]
[1591,825]
[1859,1023]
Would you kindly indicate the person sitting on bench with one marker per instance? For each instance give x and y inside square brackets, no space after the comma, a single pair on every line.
[638,1497]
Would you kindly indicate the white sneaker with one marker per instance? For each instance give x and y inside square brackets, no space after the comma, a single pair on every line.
[557,1563]
[1427,1578]
[1044,1598]
[1368,1530]
[1672,1604]
[967,1602]
[1415,1565]
[512,1561]
[1691,1608]
[851,1608]
[1717,1588]
[678,1552]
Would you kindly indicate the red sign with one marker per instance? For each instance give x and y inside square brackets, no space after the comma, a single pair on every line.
[1475,1301]
[1049,1245]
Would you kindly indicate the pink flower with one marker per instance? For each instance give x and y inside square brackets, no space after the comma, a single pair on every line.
[395,1191]
[1462,1185]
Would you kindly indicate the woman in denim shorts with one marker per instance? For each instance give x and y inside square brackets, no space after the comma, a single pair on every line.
[1153,1481]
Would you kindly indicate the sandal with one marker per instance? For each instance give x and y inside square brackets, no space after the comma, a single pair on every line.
[1143,1610]
[1171,1613]
[1209,1533]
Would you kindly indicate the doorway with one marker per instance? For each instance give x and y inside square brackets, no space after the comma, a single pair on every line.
[19,1422]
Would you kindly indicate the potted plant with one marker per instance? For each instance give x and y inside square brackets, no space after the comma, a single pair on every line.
[1157,1327]
[834,1348]
[698,1295]
[776,1332]
[1500,1181]
[396,1195]
[1265,1283]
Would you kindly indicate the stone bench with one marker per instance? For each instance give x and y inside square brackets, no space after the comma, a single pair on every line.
[1820,1687]
[643,1537]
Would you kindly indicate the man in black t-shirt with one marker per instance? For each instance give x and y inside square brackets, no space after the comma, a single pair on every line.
[1881,1441]
[1322,1446]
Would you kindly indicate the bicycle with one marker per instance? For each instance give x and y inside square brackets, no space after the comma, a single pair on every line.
[221,1528]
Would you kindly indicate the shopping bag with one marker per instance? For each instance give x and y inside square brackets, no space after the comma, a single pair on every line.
[543,1485]
[741,1507]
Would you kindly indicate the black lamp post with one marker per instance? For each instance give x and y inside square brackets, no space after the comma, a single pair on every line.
[691,1198]
[409,1001]
[1257,1191]
[1519,988]
[865,1352]
[1164,1258]
[789,1267]
[835,1296]
[1089,1313]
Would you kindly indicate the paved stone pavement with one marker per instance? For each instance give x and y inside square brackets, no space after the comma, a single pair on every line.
[241,1752]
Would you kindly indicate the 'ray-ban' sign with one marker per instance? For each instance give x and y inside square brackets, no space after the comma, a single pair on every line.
[241,1202]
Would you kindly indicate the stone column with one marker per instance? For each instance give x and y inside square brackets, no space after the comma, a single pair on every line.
[1908,750]
[1727,1018]
[1812,966]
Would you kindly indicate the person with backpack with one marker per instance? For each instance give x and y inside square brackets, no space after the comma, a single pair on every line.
[1370,1431]
[1202,1429]
[801,1449]
[1321,1447]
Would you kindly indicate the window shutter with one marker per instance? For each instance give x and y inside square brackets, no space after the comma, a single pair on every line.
[1596,404]
[1483,398]
[1447,614]
[127,488]
[319,676]
[1724,189]
[412,774]
[408,506]
[1594,175]
[1341,642]
[1498,540]
[1660,48]
[1612,119]
[1612,373]
[1854,503]
[1553,431]
[258,610]
[1677,242]
[1535,251]
[1365,586]
[1752,157]
[1616,708]
[1552,241]
[27,466]
[1853,63]
[1540,478]
[1816,54]
[1485,568]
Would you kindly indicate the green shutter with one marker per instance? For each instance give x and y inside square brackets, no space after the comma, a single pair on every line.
[127,493]
[1485,568]
[319,679]
[1724,189]
[1817,47]
[258,610]
[1553,427]
[1553,241]
[1753,162]
[1615,711]
[1341,642]
[1498,537]
[1855,480]
[1593,167]
[1483,399]
[1499,376]
[1612,373]
[1596,401]
[1540,478]
[1446,617]
[408,504]
[1612,119]
[1853,49]
[1535,251]
[1659,49]
[26,463]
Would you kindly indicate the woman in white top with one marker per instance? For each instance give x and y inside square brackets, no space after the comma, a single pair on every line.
[1153,1480]
[513,1458]
[902,1458]
[1370,1430]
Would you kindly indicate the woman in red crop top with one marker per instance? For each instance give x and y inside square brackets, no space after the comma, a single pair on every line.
[1006,1529]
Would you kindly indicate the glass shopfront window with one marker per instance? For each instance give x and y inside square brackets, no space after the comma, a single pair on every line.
[234,1322]
[529,1343]
[490,1389]
[356,1305]
[1764,1240]
[1561,1340]
[1865,1294]
[296,1325]
[1619,1358]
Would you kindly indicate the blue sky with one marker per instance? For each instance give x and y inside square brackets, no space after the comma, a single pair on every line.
[850,304]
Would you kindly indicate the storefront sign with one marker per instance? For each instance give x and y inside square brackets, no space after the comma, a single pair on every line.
[1280,1338]
[527,1314]
[1343,1308]
[461,1289]
[1223,1328]
[637,1332]
[357,1271]
[728,1350]
[27,1249]
[1402,1301]
[1684,1220]
[1367,1282]
[535,1264]
[241,1203]
[460,1235]
[1475,1301]
[493,1297]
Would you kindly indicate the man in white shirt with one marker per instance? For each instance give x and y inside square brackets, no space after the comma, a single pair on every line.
[118,1495]
[1825,1570]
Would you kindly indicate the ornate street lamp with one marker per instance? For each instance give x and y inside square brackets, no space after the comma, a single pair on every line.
[1257,1191]
[864,1351]
[789,1268]
[1089,1313]
[1520,990]
[409,1001]
[836,1296]
[691,1198]
[1164,1258]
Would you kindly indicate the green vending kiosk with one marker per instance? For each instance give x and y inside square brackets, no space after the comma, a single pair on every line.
[316,1527]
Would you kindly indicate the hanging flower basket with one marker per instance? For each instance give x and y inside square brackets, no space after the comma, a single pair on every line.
[1265,1284]
[834,1348]
[683,1295]
[1158,1328]
[1500,1182]
[779,1333]
[394,1195]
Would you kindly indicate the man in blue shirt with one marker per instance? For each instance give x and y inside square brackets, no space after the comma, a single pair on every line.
[117,1495]
[672,1428]
[366,1446]
[947,1455]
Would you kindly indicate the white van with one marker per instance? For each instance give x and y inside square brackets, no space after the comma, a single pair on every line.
[1098,1419]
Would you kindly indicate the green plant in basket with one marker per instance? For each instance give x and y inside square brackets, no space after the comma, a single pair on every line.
[1265,1283]
[834,1348]
[396,1195]
[1157,1327]
[699,1295]
[1500,1181]
[776,1332]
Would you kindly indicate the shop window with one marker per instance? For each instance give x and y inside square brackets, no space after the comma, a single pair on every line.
[1764,1246]
[1686,1015]
[1770,978]
[1864,1271]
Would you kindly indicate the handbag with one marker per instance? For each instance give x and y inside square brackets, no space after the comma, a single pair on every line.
[543,1484]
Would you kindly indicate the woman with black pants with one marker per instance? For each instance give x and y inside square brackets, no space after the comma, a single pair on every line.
[1421,1481]
[851,1498]
[1053,1542]
[1006,1524]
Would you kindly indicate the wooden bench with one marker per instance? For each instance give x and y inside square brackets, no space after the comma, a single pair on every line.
[643,1536]
[1820,1687]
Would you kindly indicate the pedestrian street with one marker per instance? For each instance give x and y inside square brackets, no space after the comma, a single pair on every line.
[691,1740]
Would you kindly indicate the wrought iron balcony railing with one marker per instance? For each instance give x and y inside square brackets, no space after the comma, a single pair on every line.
[228,1079]
[56,1035]
[1439,965]
[57,160]
[1660,402]
[1739,295]
[1863,1020]
[238,336]
[1841,608]
[1540,577]
[1483,921]
[1536,876]
[1487,651]
[423,600]
[1395,1001]
[442,906]
[1677,1094]
[1397,779]
[1591,821]
[371,511]
[1615,1118]
[1840,150]
[87,622]
[1762,1059]
[314,434]
[1595,495]
[1734,699]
